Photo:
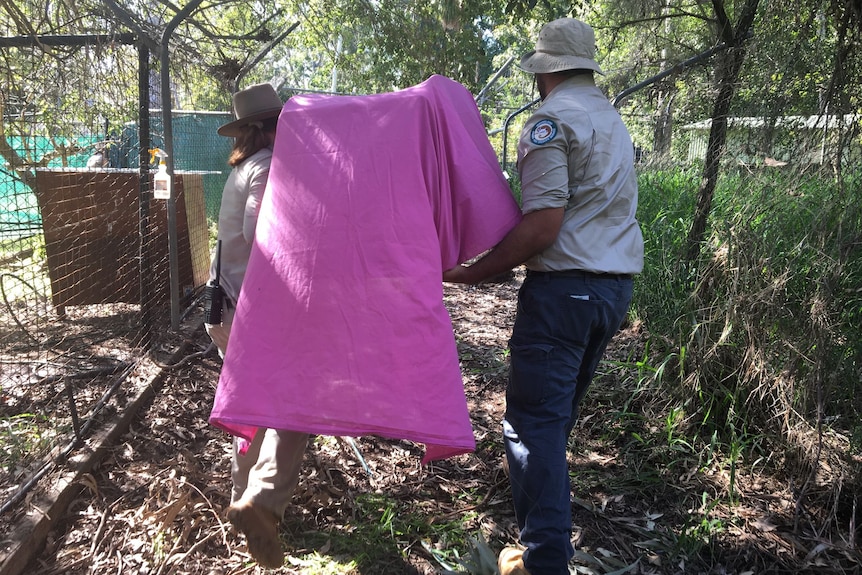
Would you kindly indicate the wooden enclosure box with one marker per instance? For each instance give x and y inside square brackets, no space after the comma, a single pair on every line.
[91,220]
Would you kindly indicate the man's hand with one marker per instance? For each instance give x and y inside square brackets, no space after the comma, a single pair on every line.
[536,232]
[457,275]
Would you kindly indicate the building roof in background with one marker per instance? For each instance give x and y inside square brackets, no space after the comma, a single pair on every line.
[798,122]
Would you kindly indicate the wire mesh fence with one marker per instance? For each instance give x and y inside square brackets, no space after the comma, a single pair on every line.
[85,258]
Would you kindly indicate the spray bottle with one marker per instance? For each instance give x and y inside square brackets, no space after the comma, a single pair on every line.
[162,180]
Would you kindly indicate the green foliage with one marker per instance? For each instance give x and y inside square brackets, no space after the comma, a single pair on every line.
[796,41]
[544,10]
[383,530]
[769,318]
[481,559]
[658,450]
[789,282]
[665,205]
[355,47]
[27,279]
[699,530]
[22,436]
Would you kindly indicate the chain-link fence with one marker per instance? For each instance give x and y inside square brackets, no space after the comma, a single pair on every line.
[85,256]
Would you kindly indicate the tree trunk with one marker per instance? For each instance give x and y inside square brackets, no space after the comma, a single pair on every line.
[664,124]
[662,133]
[728,73]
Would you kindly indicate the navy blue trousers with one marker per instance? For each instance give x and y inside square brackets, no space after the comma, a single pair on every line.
[563,325]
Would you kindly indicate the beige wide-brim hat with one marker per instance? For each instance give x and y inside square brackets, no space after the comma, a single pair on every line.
[257,102]
[563,44]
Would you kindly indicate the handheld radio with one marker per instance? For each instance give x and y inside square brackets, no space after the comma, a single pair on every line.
[213,293]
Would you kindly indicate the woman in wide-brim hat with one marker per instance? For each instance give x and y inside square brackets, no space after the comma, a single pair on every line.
[253,104]
[256,110]
[265,472]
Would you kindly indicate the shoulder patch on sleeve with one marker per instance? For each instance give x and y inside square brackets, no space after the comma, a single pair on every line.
[543,132]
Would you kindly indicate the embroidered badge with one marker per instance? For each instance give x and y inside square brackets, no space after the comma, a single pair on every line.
[543,132]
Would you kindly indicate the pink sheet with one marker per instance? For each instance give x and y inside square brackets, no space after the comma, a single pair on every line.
[340,326]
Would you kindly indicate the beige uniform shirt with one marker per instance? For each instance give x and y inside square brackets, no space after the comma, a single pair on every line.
[240,206]
[575,152]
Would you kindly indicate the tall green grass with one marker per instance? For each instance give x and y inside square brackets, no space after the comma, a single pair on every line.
[764,331]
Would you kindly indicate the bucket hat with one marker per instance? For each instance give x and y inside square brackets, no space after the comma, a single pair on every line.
[563,44]
[257,102]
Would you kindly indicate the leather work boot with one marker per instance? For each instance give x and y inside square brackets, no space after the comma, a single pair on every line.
[511,562]
[260,527]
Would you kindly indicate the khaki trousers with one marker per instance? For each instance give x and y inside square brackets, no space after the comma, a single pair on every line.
[267,472]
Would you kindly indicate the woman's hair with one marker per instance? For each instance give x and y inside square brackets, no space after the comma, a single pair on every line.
[252,138]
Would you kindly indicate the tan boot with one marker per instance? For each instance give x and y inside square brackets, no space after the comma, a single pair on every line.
[511,562]
[260,527]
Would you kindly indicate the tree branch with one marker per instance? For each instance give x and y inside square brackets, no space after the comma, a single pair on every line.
[725,27]
[128,20]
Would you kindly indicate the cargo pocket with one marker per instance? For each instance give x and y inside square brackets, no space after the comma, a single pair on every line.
[529,366]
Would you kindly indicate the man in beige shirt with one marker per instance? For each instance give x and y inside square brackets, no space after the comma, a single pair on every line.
[581,244]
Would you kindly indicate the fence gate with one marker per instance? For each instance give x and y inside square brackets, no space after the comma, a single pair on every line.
[84,278]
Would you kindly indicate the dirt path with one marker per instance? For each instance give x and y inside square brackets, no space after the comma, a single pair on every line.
[155,504]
